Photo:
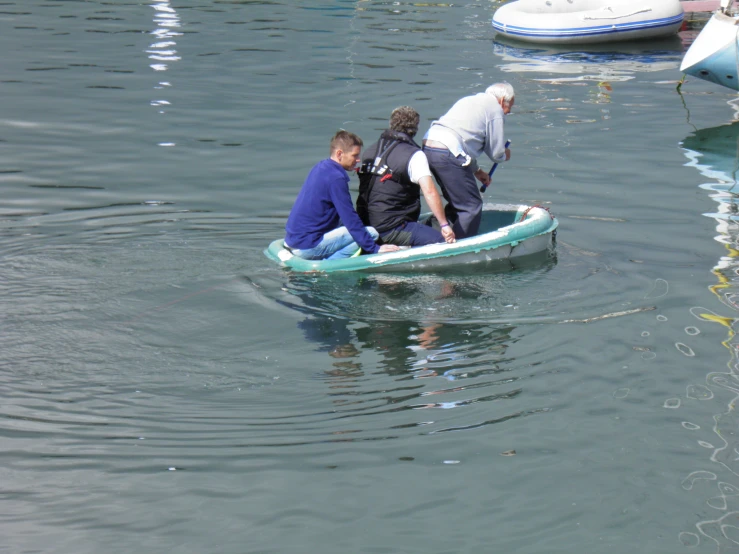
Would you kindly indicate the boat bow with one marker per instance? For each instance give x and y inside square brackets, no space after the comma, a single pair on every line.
[714,55]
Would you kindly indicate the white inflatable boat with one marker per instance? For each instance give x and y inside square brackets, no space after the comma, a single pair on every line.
[588,21]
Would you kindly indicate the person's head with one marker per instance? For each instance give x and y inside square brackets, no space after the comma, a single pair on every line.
[405,120]
[346,149]
[503,92]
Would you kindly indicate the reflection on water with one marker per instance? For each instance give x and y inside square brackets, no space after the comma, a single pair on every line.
[600,68]
[597,63]
[163,50]
[431,361]
[714,152]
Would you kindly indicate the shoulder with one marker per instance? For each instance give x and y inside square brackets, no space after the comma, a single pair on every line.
[418,166]
[335,175]
[488,101]
[327,175]
[371,147]
[323,167]
[493,105]
[419,157]
[327,164]
[333,169]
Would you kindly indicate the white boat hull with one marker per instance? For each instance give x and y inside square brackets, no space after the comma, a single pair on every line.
[714,53]
[588,21]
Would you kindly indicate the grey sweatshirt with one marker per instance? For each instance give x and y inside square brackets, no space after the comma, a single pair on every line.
[478,121]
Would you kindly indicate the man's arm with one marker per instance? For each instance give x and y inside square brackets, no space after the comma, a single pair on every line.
[350,219]
[434,202]
[483,177]
[419,172]
[495,140]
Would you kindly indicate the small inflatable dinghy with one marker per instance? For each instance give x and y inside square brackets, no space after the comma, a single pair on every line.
[588,21]
[507,232]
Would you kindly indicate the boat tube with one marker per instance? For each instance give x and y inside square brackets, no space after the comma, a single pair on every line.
[588,21]
[507,232]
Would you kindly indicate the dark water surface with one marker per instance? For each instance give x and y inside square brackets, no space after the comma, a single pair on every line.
[166,388]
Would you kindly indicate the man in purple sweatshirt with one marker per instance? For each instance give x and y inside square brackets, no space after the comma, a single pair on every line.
[323,223]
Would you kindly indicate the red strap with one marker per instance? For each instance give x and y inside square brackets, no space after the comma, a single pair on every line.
[386,177]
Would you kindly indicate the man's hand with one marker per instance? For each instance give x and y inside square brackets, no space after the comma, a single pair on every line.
[448,234]
[389,248]
[483,177]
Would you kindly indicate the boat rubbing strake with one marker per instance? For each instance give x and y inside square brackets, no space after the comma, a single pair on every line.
[588,21]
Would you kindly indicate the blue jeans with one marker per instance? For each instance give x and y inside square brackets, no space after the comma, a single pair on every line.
[334,245]
[459,187]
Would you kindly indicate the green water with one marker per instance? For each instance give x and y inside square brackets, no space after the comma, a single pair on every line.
[166,388]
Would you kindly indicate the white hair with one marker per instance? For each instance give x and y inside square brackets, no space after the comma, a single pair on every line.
[502,91]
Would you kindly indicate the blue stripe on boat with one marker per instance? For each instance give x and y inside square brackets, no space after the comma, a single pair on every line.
[588,31]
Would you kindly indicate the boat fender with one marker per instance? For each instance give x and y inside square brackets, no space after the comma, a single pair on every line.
[527,210]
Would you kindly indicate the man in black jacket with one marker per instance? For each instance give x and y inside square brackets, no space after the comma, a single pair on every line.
[393,174]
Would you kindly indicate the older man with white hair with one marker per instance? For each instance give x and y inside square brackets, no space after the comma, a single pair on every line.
[473,125]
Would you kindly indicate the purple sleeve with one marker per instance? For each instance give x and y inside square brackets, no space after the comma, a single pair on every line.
[350,219]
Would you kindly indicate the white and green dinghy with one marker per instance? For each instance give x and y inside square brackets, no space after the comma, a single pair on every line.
[507,232]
